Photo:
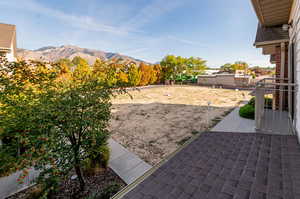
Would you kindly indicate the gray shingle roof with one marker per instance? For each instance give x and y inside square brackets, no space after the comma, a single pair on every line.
[7,34]
[269,34]
[228,166]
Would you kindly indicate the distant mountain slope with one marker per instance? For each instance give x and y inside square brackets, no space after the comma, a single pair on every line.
[51,53]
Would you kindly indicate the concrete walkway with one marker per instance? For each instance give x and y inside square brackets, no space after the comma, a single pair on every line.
[126,164]
[234,123]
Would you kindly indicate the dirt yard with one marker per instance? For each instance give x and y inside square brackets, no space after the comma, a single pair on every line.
[156,121]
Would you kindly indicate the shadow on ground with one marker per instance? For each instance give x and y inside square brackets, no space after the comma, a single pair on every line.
[154,130]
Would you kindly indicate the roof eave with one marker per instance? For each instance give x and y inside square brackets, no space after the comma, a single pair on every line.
[272,12]
[258,12]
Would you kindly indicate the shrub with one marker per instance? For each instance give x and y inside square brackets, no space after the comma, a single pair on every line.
[247,111]
[109,191]
[252,101]
[268,102]
[98,160]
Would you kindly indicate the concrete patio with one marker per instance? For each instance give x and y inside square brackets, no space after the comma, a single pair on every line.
[234,123]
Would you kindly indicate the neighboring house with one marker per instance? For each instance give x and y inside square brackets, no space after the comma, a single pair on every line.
[278,34]
[240,73]
[8,41]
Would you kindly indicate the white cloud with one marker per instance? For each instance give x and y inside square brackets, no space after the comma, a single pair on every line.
[150,12]
[185,41]
[81,22]
[135,50]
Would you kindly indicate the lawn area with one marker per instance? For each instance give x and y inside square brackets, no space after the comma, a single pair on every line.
[155,122]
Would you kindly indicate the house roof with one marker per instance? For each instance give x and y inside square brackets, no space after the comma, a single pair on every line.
[226,165]
[7,34]
[270,35]
[272,12]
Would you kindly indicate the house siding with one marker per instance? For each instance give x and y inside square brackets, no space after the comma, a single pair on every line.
[295,37]
[11,56]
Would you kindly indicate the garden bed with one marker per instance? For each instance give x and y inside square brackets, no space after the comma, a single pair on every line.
[95,184]
[156,121]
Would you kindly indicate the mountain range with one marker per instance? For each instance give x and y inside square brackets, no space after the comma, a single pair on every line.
[52,53]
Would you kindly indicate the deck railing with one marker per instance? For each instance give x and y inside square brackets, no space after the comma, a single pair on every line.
[274,107]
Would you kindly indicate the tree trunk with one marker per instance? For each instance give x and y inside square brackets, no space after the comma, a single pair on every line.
[80,177]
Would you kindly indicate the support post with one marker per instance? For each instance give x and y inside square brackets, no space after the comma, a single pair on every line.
[282,67]
[259,107]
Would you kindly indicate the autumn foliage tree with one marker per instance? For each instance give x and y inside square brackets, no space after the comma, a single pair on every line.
[176,66]
[146,73]
[231,68]
[82,68]
[53,126]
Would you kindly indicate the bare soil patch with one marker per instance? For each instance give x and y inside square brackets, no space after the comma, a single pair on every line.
[155,122]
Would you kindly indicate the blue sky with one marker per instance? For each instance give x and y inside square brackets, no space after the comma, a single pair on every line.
[218,31]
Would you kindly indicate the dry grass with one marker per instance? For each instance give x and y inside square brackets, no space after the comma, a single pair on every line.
[156,121]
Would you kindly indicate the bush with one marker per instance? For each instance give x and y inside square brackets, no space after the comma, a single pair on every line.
[247,111]
[268,102]
[252,101]
[109,191]
[98,160]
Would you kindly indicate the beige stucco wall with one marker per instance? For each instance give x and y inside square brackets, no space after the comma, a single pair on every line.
[223,80]
[207,80]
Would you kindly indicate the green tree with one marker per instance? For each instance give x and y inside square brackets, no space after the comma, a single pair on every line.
[134,75]
[82,68]
[100,70]
[173,66]
[79,119]
[227,68]
[195,66]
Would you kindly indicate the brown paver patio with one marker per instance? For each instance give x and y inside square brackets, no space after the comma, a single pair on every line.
[230,166]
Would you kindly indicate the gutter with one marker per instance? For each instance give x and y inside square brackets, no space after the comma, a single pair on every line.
[265,43]
[131,186]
